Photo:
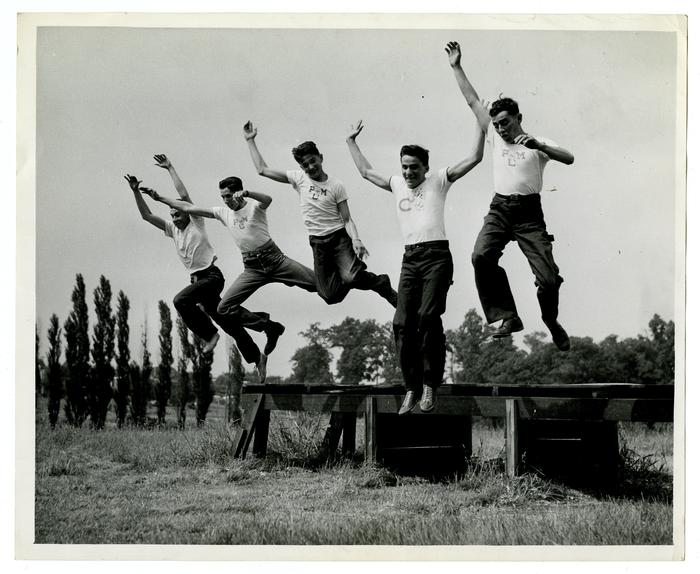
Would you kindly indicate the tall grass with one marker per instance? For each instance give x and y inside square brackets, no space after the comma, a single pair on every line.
[169,486]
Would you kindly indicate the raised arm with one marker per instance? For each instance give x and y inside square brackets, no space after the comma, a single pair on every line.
[454,54]
[144,210]
[357,244]
[554,152]
[262,198]
[250,132]
[179,204]
[165,163]
[363,166]
[468,163]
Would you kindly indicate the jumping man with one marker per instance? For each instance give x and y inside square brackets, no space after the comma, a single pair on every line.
[515,213]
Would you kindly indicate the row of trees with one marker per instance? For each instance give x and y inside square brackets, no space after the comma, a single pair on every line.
[366,354]
[100,369]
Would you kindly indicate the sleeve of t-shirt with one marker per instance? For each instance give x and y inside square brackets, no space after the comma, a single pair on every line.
[444,182]
[294,176]
[544,158]
[218,213]
[339,192]
[197,221]
[168,228]
[490,134]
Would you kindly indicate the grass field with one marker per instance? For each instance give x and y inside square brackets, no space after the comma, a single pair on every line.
[170,486]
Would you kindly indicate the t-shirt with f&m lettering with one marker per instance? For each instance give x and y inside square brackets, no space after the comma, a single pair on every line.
[247,225]
[319,202]
[192,244]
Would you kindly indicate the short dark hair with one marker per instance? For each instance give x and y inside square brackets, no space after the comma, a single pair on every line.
[504,105]
[303,149]
[233,183]
[416,151]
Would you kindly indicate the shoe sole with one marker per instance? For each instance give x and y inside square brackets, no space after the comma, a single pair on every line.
[275,338]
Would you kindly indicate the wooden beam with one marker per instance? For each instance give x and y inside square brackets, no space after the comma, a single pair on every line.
[260,432]
[371,430]
[512,447]
[349,433]
[251,405]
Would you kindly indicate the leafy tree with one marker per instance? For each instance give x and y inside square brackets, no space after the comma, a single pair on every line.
[183,393]
[37,363]
[311,363]
[102,354]
[77,356]
[54,376]
[121,396]
[164,386]
[663,337]
[141,382]
[201,379]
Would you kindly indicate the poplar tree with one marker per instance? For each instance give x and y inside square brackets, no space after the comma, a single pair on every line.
[183,394]
[236,376]
[121,397]
[102,354]
[164,386]
[77,356]
[201,378]
[141,382]
[54,378]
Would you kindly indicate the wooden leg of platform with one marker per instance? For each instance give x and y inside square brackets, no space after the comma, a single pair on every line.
[371,430]
[261,428]
[349,433]
[332,436]
[512,447]
[252,406]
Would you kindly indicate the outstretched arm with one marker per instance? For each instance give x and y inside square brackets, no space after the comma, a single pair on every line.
[179,204]
[144,210]
[250,132]
[467,164]
[363,166]
[554,152]
[454,54]
[164,162]
[357,244]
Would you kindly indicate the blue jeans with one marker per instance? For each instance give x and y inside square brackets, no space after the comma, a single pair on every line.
[338,269]
[515,218]
[426,276]
[197,305]
[264,265]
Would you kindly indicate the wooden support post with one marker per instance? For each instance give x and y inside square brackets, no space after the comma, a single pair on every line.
[371,430]
[332,436]
[251,406]
[349,433]
[512,447]
[261,430]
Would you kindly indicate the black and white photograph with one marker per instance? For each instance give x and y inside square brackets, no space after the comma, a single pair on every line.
[351,286]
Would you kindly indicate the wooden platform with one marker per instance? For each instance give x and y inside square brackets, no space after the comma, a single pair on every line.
[581,403]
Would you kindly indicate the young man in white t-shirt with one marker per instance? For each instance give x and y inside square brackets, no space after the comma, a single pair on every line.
[515,213]
[245,217]
[426,268]
[336,246]
[197,303]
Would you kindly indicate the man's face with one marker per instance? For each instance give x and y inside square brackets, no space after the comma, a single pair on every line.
[312,165]
[180,219]
[231,202]
[413,170]
[507,126]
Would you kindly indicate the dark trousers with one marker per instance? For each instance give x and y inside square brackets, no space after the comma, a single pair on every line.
[338,269]
[197,305]
[515,218]
[426,276]
[262,266]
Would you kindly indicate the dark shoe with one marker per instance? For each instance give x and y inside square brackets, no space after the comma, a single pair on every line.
[559,336]
[385,290]
[409,403]
[273,332]
[508,327]
[428,400]
[262,367]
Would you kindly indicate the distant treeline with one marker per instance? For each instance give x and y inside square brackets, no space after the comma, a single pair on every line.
[99,371]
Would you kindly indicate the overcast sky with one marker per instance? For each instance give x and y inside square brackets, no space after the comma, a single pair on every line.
[109,98]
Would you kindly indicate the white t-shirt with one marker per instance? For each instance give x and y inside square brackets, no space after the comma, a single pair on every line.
[247,225]
[192,244]
[319,202]
[421,211]
[517,170]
